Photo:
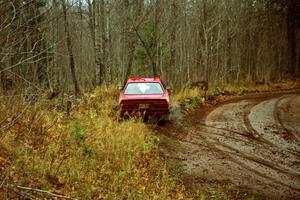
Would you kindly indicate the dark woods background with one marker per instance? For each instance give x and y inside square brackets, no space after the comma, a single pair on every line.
[76,45]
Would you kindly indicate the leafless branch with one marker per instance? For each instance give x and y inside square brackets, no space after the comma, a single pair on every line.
[13,18]
[45,192]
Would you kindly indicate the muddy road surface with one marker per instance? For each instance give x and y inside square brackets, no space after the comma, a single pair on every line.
[250,143]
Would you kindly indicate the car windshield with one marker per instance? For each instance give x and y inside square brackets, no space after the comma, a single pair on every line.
[144,88]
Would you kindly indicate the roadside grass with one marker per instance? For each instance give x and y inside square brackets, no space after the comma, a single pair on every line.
[191,98]
[248,87]
[87,154]
[210,188]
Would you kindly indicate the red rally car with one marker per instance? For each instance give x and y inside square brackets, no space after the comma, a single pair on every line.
[148,96]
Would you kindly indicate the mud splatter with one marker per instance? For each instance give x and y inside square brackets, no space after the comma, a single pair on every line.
[175,113]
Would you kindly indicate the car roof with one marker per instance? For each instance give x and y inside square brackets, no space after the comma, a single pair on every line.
[143,79]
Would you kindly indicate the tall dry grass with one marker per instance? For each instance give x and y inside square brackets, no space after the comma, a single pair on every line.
[87,154]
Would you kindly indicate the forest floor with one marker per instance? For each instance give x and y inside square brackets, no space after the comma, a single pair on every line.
[247,146]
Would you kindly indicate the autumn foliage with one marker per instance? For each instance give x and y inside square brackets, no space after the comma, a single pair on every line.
[87,154]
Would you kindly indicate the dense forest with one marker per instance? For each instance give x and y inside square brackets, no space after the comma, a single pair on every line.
[76,45]
[61,134]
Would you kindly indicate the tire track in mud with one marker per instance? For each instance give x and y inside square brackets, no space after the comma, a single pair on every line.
[247,138]
[262,119]
[239,154]
[280,125]
[213,147]
[229,155]
[251,158]
[255,134]
[233,135]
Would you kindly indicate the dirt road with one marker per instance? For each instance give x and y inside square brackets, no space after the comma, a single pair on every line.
[250,143]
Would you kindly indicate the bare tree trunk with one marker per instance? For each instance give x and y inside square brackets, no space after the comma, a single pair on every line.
[69,45]
[110,57]
[91,14]
[173,29]
[130,39]
[291,29]
[155,39]
[205,51]
[2,79]
[95,37]
[97,42]
[131,49]
[152,60]
[2,71]
[98,30]
[103,42]
[131,31]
